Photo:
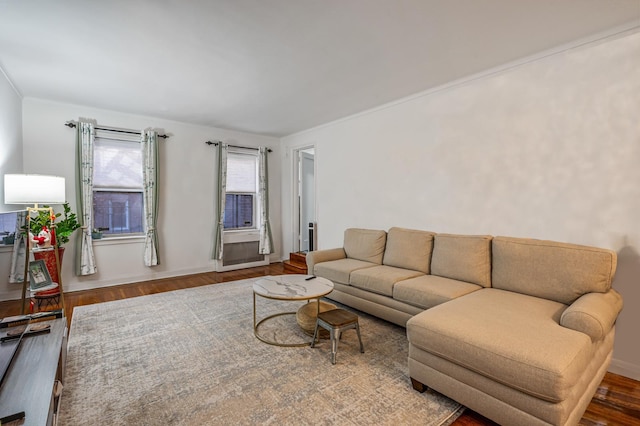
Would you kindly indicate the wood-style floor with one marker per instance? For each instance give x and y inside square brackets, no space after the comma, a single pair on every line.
[616,402]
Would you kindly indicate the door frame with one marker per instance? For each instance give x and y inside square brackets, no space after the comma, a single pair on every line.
[296,207]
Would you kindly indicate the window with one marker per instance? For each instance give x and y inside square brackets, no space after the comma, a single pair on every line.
[242,184]
[117,186]
[238,211]
[7,227]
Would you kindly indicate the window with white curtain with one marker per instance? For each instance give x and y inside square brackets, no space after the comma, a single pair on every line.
[242,187]
[117,186]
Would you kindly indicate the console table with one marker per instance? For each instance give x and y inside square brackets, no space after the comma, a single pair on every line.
[30,381]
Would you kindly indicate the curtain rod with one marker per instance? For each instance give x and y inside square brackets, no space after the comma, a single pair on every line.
[72,124]
[235,146]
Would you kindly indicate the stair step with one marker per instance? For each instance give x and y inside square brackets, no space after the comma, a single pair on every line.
[298,257]
[294,268]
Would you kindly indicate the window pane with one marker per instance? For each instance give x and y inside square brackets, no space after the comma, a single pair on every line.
[117,164]
[7,227]
[241,172]
[118,212]
[238,211]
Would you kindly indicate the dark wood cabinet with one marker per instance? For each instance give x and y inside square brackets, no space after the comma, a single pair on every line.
[30,383]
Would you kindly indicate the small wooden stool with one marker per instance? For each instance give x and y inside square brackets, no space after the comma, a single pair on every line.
[306,316]
[48,298]
[336,321]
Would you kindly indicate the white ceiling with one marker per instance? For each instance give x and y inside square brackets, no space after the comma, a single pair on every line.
[276,67]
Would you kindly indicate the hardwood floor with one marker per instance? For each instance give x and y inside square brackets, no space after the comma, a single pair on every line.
[616,402]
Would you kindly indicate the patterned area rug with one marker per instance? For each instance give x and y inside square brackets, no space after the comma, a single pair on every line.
[189,357]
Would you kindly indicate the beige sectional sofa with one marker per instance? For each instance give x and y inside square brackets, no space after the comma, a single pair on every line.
[519,330]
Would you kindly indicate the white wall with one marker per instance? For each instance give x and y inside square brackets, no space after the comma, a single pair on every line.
[10,134]
[10,153]
[187,179]
[547,149]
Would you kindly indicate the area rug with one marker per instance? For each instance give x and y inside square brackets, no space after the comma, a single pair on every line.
[189,357]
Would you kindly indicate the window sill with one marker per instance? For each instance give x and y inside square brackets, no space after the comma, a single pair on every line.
[4,248]
[240,231]
[128,239]
[238,236]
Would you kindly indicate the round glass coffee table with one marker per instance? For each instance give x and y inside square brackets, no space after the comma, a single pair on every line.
[288,287]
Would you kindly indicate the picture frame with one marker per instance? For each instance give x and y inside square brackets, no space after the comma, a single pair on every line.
[39,277]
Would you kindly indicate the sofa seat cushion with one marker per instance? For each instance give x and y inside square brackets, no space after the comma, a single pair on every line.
[380,279]
[508,337]
[428,291]
[340,270]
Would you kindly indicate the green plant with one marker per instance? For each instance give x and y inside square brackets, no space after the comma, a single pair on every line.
[64,227]
[40,221]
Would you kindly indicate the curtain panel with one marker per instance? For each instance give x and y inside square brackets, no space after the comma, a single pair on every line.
[85,140]
[16,274]
[149,146]
[266,240]
[221,195]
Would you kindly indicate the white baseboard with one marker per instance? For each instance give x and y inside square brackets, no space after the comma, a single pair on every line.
[624,368]
[89,284]
[11,295]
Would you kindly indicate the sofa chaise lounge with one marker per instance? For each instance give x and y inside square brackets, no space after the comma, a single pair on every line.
[519,330]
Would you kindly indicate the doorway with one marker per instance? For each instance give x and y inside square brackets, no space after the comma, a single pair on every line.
[305,207]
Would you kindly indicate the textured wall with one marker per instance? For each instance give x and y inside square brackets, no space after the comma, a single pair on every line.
[10,156]
[547,149]
[10,134]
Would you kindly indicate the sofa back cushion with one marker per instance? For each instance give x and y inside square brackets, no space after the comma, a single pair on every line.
[551,270]
[463,257]
[409,249]
[365,244]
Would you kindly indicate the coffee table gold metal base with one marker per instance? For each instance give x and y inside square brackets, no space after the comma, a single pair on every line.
[273,342]
[288,287]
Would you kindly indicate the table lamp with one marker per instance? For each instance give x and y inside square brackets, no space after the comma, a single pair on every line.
[35,189]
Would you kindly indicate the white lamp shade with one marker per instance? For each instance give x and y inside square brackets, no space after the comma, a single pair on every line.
[33,189]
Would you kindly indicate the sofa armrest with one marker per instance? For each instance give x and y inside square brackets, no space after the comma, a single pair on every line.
[593,313]
[320,256]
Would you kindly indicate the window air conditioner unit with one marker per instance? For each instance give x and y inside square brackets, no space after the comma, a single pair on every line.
[240,250]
